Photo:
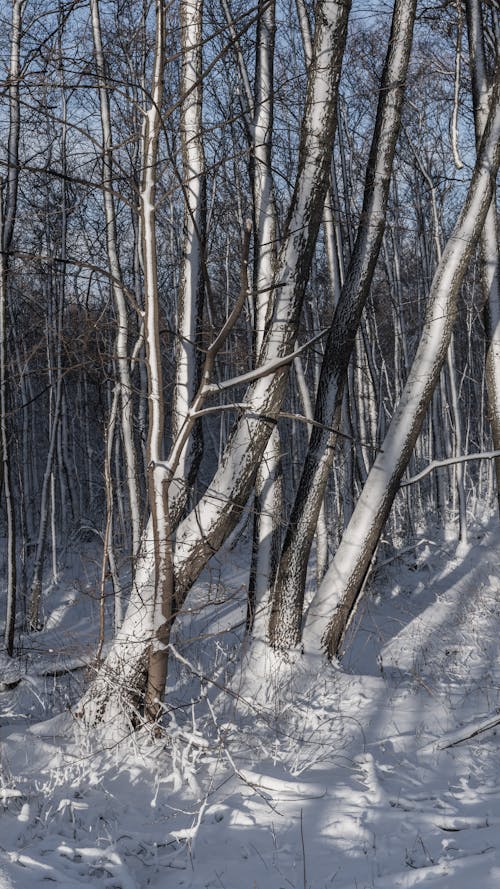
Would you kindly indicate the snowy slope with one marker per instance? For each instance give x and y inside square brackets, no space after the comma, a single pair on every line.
[360,777]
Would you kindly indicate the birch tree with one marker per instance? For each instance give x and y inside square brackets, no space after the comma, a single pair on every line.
[481,88]
[192,284]
[122,334]
[205,528]
[8,205]
[268,482]
[285,623]
[333,604]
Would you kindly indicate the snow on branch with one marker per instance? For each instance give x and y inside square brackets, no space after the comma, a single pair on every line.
[264,371]
[436,464]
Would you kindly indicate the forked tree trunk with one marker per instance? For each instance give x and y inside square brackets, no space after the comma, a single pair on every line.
[331,608]
[218,511]
[286,615]
[203,531]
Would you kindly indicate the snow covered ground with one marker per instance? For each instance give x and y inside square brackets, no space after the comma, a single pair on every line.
[352,779]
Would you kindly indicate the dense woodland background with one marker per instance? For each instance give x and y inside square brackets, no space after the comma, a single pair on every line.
[153,163]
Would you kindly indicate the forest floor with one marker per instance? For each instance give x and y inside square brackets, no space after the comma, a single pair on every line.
[385,773]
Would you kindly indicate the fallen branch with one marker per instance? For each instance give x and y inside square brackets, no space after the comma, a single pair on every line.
[463,734]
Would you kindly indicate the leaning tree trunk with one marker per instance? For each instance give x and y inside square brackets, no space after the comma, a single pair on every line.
[204,530]
[286,615]
[332,233]
[331,608]
[489,235]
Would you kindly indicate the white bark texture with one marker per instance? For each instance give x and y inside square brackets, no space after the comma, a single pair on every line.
[337,596]
[289,589]
[8,206]
[489,236]
[206,527]
[203,531]
[191,289]
[158,479]
[268,483]
[121,344]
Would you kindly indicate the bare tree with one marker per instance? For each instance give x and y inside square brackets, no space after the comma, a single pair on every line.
[290,583]
[333,604]
[8,205]
[122,335]
[217,513]
[268,482]
[481,88]
[192,285]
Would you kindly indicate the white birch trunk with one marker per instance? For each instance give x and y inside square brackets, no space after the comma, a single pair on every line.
[8,205]
[321,528]
[121,344]
[289,589]
[268,483]
[206,527]
[331,608]
[48,483]
[489,236]
[157,476]
[191,289]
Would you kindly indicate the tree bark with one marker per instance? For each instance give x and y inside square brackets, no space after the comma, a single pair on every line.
[192,286]
[489,236]
[268,499]
[334,602]
[286,615]
[8,206]
[203,531]
[121,344]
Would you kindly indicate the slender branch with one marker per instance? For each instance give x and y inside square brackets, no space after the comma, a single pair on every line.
[263,371]
[456,97]
[436,464]
[170,465]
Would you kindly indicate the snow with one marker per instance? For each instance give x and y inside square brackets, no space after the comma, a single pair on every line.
[379,774]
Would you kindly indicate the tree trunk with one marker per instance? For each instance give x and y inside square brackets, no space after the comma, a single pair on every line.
[268,483]
[56,298]
[8,206]
[289,588]
[121,345]
[333,605]
[489,235]
[157,480]
[192,287]
[203,531]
